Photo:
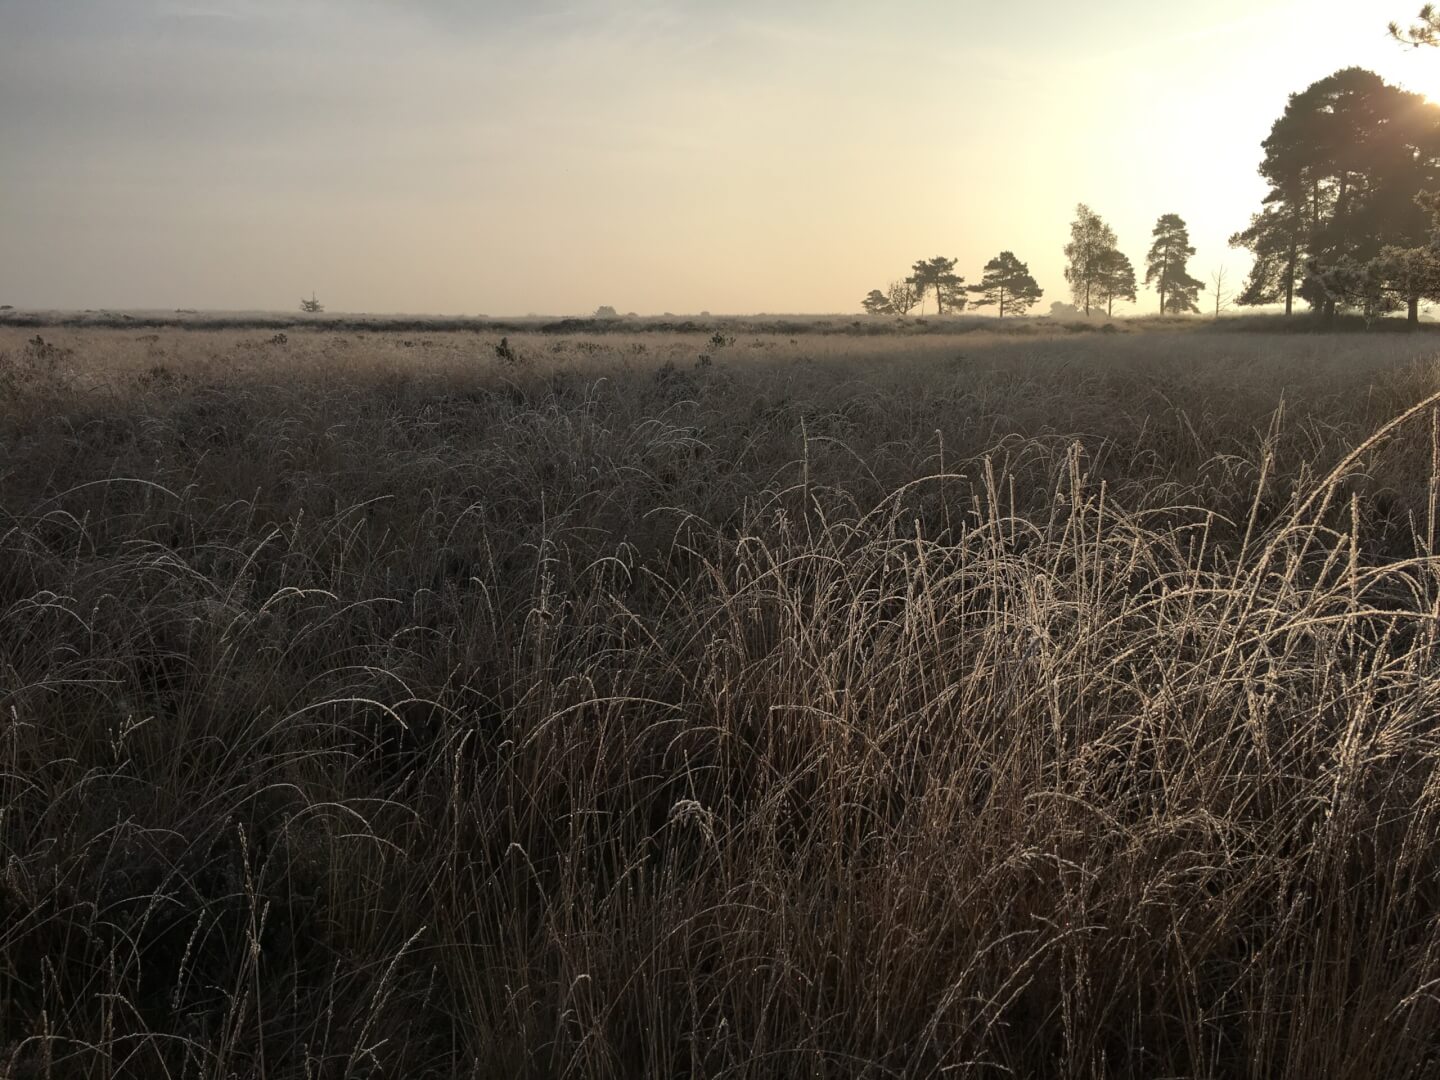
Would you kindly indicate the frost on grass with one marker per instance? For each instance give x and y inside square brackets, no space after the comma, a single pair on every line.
[835,708]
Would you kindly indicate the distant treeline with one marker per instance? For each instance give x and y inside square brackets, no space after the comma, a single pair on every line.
[1351,222]
[756,324]
[1064,319]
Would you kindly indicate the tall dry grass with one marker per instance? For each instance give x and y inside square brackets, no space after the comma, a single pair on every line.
[832,708]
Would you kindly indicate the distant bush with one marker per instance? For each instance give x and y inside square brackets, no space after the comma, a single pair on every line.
[506,353]
[36,370]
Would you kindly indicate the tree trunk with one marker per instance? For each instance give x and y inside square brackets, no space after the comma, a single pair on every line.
[1294,256]
[1413,315]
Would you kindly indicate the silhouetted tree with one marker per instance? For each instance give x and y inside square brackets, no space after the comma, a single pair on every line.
[605,311]
[1090,239]
[938,274]
[1007,282]
[903,296]
[1425,31]
[1115,279]
[1166,267]
[877,303]
[313,306]
[1397,278]
[1275,237]
[954,296]
[1345,163]
[1410,275]
[1346,282]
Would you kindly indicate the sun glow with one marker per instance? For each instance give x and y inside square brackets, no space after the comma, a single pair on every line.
[1417,70]
[754,157]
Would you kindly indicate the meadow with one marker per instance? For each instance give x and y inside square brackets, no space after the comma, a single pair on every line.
[718,703]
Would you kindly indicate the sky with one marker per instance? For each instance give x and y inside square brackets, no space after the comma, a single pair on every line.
[551,156]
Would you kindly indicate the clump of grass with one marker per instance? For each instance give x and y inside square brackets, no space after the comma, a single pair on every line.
[1067,712]
[507,354]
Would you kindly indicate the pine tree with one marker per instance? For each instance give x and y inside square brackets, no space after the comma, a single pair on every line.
[1425,31]
[1166,267]
[1345,164]
[938,274]
[1115,280]
[1007,283]
[877,303]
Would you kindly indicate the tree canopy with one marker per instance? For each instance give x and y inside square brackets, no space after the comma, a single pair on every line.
[903,296]
[897,298]
[1167,267]
[938,274]
[1274,237]
[877,303]
[1115,280]
[1424,31]
[1090,239]
[1344,164]
[1008,284]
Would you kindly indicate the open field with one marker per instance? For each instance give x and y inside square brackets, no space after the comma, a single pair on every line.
[764,325]
[650,705]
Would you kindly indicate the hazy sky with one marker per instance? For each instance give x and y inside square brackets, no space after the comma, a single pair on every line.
[463,156]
